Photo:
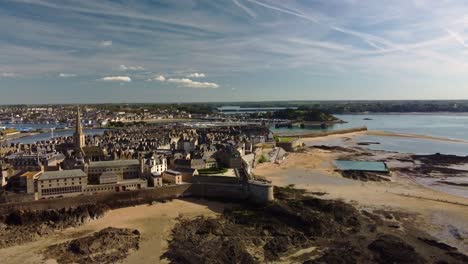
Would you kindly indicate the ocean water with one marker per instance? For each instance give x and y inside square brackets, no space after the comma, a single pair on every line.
[47,136]
[451,126]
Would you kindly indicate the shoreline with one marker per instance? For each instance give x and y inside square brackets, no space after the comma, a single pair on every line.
[314,170]
[413,136]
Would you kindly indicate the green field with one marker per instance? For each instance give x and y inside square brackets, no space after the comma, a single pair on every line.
[213,171]
[285,139]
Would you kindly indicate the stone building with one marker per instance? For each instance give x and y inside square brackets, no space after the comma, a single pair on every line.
[173,177]
[52,184]
[124,169]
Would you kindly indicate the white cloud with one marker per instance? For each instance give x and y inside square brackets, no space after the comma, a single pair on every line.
[8,74]
[193,84]
[160,78]
[66,75]
[116,79]
[196,75]
[457,37]
[105,43]
[130,68]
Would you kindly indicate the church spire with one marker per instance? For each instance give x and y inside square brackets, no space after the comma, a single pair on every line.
[79,137]
[78,129]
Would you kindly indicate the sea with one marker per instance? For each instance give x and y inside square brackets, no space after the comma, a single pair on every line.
[47,135]
[443,125]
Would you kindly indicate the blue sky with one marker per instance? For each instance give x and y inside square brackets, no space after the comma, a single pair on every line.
[231,50]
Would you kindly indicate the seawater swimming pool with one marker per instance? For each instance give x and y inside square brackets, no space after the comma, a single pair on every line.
[351,165]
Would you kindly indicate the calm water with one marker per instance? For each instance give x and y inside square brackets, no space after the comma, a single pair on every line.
[47,136]
[439,125]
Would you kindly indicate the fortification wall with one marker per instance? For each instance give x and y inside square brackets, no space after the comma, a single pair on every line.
[112,199]
[215,179]
[260,192]
[229,192]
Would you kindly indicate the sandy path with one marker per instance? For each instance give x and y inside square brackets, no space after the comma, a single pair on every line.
[154,222]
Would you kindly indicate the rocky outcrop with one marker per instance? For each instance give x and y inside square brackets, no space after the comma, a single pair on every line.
[299,228]
[109,245]
[18,226]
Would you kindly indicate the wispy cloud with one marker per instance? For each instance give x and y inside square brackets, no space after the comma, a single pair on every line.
[131,68]
[192,84]
[196,75]
[457,37]
[116,79]
[105,43]
[246,9]
[8,74]
[67,75]
[246,42]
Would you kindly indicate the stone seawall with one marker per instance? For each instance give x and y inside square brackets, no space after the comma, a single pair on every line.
[229,192]
[111,199]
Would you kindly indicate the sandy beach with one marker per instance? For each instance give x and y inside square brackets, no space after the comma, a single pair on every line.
[155,223]
[441,214]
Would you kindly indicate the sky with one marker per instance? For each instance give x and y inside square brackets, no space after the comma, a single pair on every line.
[232,50]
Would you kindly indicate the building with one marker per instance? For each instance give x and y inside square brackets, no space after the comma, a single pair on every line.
[78,136]
[187,173]
[111,186]
[52,184]
[124,169]
[35,162]
[230,158]
[24,182]
[173,177]
[156,164]
[155,180]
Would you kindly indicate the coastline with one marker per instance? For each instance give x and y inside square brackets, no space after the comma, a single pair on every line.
[314,170]
[414,136]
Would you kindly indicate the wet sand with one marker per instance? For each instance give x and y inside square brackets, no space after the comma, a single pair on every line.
[155,223]
[415,136]
[438,212]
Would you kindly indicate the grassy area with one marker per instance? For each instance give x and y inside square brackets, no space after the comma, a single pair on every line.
[285,139]
[211,171]
[7,131]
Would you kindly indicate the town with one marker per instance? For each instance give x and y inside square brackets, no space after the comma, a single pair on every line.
[133,157]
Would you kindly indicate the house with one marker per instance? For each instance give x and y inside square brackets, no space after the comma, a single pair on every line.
[155,180]
[187,173]
[171,176]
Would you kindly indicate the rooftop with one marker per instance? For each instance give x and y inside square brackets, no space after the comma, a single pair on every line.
[52,175]
[30,174]
[114,163]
